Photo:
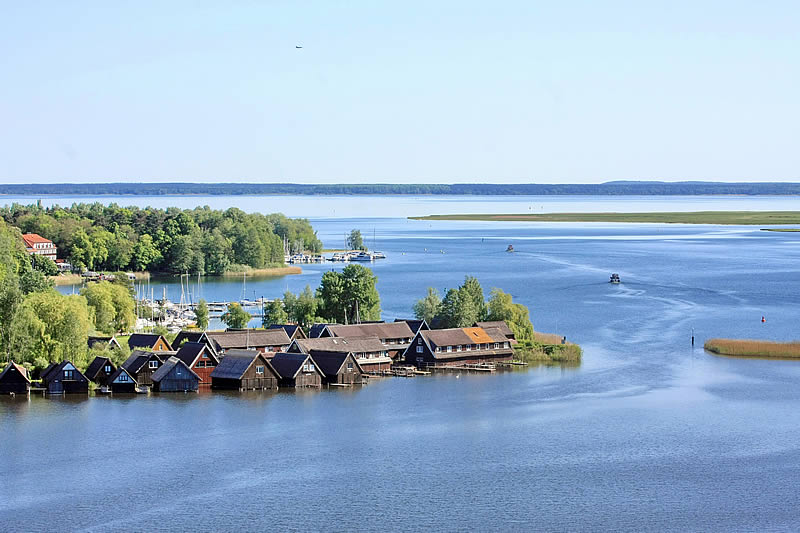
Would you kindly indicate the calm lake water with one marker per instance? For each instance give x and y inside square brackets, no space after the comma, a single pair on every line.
[648,433]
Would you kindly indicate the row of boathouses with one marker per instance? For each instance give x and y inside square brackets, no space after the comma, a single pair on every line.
[282,356]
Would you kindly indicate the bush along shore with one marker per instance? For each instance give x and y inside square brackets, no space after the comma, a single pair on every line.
[753,348]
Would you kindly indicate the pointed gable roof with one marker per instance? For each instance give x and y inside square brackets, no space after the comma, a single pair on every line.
[292,330]
[164,370]
[121,370]
[138,359]
[13,367]
[191,351]
[96,366]
[331,363]
[338,344]
[237,362]
[226,340]
[146,340]
[287,365]
[381,330]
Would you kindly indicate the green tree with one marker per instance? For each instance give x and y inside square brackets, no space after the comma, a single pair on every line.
[201,314]
[349,296]
[355,241]
[472,292]
[517,316]
[111,306]
[34,281]
[81,250]
[236,317]
[145,253]
[274,313]
[463,306]
[427,308]
[44,264]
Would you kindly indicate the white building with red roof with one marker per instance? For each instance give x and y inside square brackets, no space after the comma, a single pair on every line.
[35,244]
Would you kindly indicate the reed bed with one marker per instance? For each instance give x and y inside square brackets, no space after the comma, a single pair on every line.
[753,348]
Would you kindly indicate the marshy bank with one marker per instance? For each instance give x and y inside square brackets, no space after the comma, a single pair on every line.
[753,348]
[548,348]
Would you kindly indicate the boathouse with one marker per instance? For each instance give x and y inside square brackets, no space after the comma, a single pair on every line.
[141,366]
[122,382]
[339,368]
[99,370]
[263,340]
[370,352]
[293,331]
[64,378]
[154,342]
[297,370]
[14,379]
[200,358]
[175,376]
[458,346]
[103,342]
[244,370]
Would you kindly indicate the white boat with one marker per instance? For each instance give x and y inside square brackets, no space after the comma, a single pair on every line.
[378,255]
[361,256]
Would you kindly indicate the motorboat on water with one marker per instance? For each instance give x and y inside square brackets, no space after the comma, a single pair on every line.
[614,279]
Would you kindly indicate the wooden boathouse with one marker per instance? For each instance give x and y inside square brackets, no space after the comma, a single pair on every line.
[297,370]
[200,358]
[244,370]
[175,376]
[339,368]
[14,379]
[100,370]
[156,343]
[64,378]
[458,347]
[122,382]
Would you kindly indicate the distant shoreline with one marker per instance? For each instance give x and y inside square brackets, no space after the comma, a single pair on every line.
[613,188]
[743,218]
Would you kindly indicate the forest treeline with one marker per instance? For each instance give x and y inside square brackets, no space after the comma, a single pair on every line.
[645,188]
[201,240]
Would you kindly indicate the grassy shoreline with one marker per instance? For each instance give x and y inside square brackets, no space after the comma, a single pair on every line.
[548,348]
[753,348]
[695,217]
[272,271]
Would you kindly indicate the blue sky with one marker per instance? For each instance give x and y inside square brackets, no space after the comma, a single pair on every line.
[433,91]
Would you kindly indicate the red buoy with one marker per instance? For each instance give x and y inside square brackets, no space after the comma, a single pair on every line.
[763,319]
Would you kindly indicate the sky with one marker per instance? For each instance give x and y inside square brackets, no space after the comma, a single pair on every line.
[434,91]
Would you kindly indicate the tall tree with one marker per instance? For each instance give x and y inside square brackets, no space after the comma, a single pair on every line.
[236,317]
[201,315]
[349,295]
[428,307]
[355,241]
[274,313]
[517,316]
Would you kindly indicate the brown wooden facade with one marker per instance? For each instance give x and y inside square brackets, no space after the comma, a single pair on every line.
[297,370]
[244,370]
[14,379]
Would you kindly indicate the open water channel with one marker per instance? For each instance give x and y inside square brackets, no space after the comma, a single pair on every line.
[648,433]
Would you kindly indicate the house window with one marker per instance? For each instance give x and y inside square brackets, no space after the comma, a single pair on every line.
[449,349]
[201,364]
[178,371]
[69,374]
[497,346]
[123,377]
[459,348]
[419,349]
[419,341]
[260,370]
[205,355]
[438,349]
[108,369]
[505,345]
[349,367]
[153,364]
[469,347]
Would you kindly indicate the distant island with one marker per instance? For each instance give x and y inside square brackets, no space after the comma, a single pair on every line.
[696,217]
[612,188]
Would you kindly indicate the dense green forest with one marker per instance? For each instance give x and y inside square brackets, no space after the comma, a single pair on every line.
[609,188]
[113,238]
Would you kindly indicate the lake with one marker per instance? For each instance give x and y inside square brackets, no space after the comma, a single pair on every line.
[648,433]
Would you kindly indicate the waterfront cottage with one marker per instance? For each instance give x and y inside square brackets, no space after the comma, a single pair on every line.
[14,379]
[175,376]
[339,368]
[99,370]
[297,370]
[370,352]
[122,382]
[499,324]
[395,336]
[64,378]
[263,340]
[292,330]
[141,365]
[243,370]
[154,342]
[103,342]
[458,346]
[200,358]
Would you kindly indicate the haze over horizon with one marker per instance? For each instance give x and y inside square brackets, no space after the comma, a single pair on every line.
[445,92]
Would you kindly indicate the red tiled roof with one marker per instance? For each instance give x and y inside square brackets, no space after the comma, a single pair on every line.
[34,238]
